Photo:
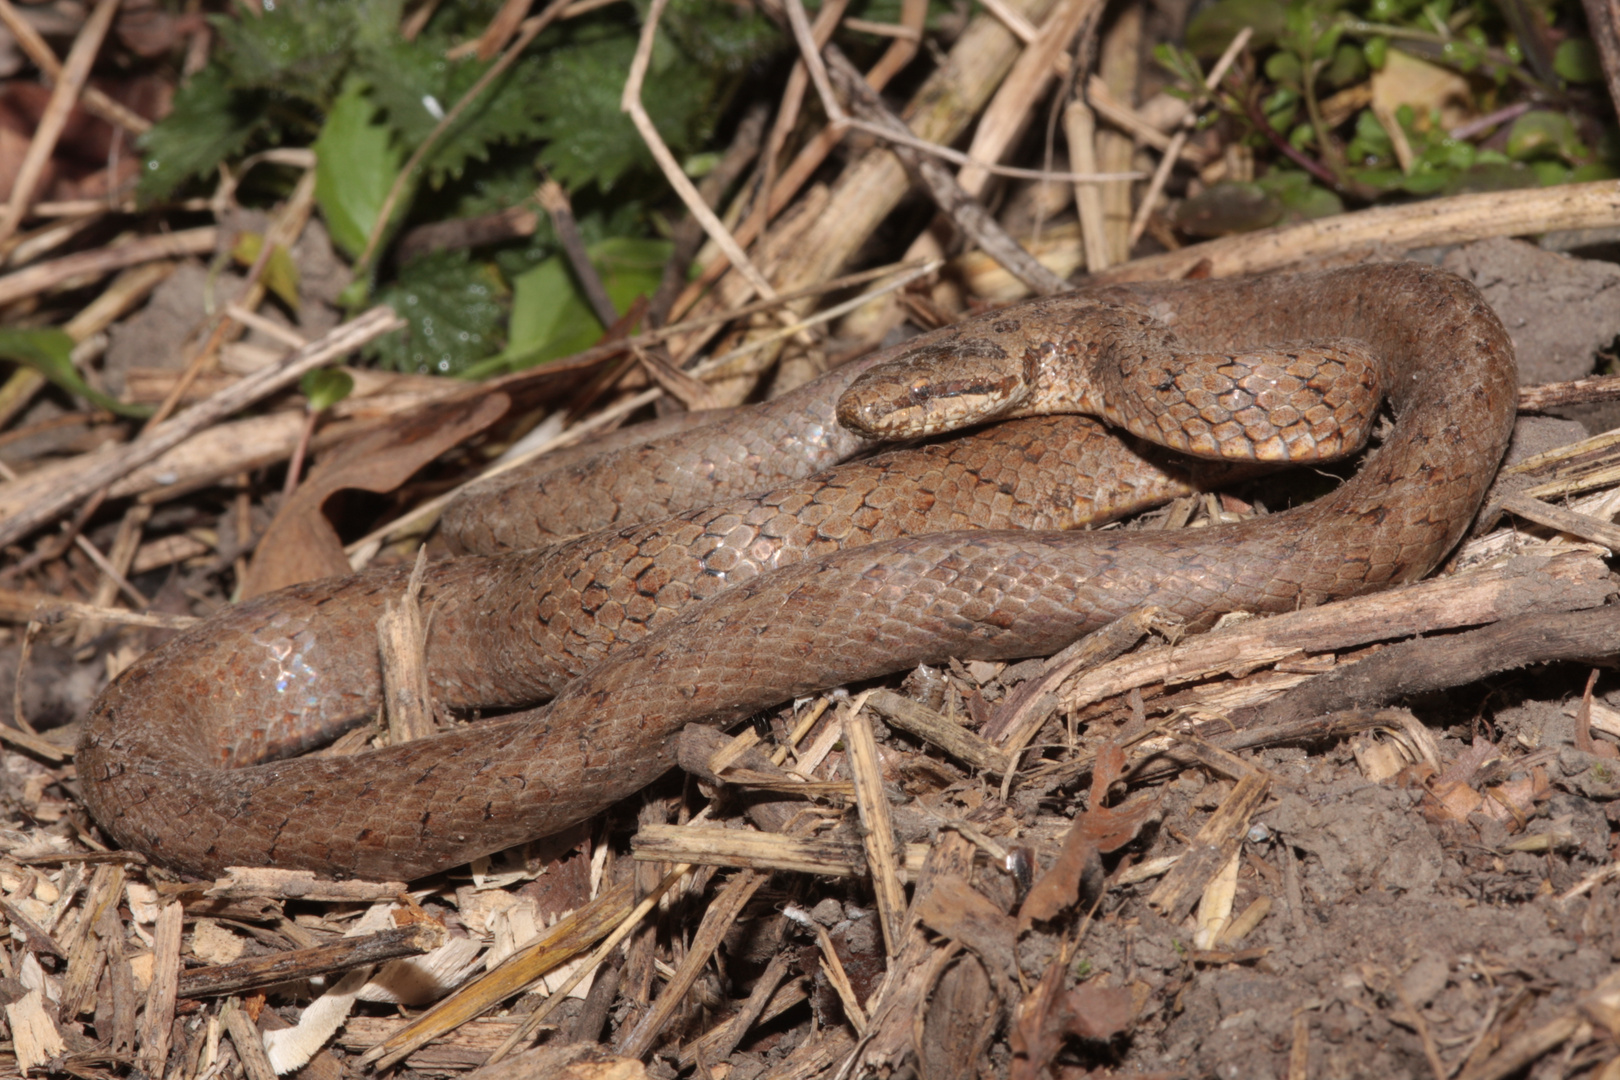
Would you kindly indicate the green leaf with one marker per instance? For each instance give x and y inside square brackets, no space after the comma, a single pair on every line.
[1577,61]
[1370,144]
[700,47]
[301,48]
[1348,66]
[1595,170]
[280,272]
[454,311]
[723,39]
[1550,173]
[1309,201]
[1463,55]
[1492,177]
[550,316]
[325,387]
[50,352]
[1226,208]
[589,140]
[1377,51]
[208,123]
[1427,181]
[1283,68]
[355,163]
[1542,133]
[416,86]
[1380,179]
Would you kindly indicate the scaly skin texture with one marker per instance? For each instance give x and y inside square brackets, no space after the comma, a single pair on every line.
[177,756]
[640,479]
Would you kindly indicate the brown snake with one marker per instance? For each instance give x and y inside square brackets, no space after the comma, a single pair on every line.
[717,613]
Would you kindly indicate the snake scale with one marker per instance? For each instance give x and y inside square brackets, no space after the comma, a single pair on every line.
[836,573]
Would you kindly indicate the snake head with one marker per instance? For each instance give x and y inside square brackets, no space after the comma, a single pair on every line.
[933,389]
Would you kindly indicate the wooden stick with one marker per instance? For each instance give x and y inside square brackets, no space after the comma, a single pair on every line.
[1454,220]
[249,1043]
[153,1033]
[722,912]
[1603,21]
[1007,115]
[877,826]
[1564,582]
[531,1023]
[966,212]
[1172,153]
[413,939]
[1573,392]
[1423,664]
[1212,848]
[572,935]
[708,846]
[48,275]
[630,102]
[1080,128]
[1582,525]
[941,731]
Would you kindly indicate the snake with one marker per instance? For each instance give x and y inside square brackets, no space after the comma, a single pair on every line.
[788,572]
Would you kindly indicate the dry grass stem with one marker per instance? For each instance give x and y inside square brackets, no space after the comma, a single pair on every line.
[1173,152]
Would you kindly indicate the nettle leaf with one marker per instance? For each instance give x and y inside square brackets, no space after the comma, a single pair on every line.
[699,47]
[301,48]
[589,139]
[408,81]
[454,311]
[416,86]
[722,38]
[50,352]
[208,123]
[356,161]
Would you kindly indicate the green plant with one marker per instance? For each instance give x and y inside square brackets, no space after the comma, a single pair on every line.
[339,77]
[1304,52]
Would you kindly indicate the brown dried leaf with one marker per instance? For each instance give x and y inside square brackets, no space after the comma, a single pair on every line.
[1049,1015]
[1583,725]
[301,545]
[1095,832]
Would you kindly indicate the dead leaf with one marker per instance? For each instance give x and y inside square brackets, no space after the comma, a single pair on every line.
[1406,80]
[1583,725]
[301,545]
[1095,832]
[1049,1015]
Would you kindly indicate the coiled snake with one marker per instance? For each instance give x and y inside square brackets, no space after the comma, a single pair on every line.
[871,567]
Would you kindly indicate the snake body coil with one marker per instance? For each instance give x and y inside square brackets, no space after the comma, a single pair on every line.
[190,755]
